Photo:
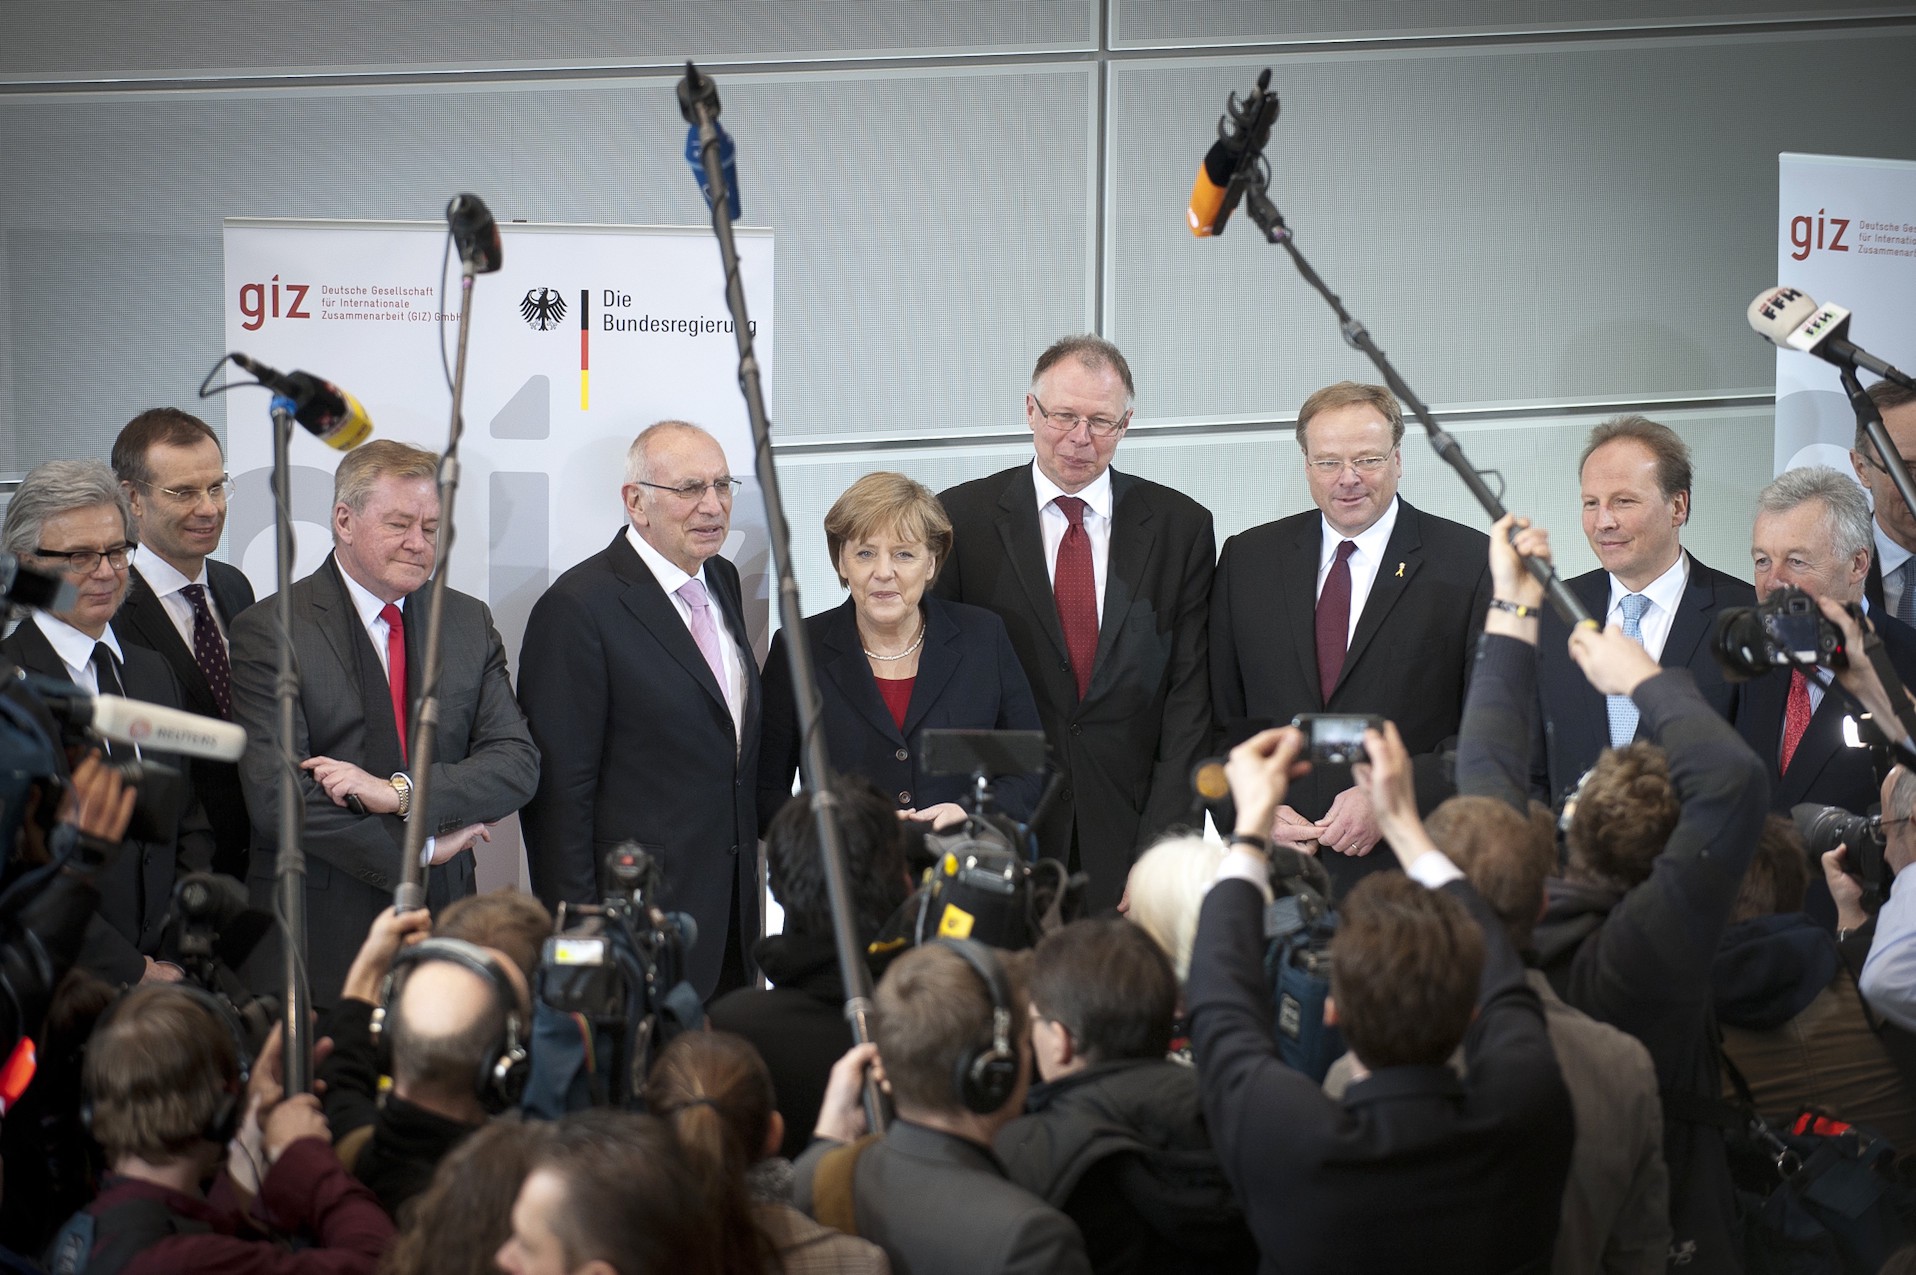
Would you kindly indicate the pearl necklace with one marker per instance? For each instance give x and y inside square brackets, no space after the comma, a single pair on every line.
[915,644]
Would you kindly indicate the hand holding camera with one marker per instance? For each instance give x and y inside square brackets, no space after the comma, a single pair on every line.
[1260,771]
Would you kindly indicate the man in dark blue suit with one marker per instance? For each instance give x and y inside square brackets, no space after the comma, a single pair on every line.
[1635,475]
[1812,530]
[638,680]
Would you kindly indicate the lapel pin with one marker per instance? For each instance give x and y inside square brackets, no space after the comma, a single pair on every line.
[1400,571]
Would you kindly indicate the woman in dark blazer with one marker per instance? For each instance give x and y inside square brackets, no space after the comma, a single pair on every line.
[893,661]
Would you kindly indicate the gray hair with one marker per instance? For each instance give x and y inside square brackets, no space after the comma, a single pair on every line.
[58,487]
[638,468]
[1846,510]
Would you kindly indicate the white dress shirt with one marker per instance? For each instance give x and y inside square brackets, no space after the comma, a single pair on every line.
[369,605]
[672,579]
[1365,560]
[1664,594]
[1889,975]
[1052,524]
[166,581]
[75,650]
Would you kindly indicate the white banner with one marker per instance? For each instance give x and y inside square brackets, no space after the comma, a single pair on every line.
[1846,235]
[587,335]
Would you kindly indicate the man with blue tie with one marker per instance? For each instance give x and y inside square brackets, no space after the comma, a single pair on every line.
[1891,586]
[1635,478]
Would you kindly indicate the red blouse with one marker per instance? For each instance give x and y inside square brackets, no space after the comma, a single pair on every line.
[896,692]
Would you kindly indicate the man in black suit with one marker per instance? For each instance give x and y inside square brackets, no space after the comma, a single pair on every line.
[1361,605]
[639,683]
[1414,1168]
[358,644]
[70,516]
[1812,530]
[1103,580]
[1635,476]
[1891,587]
[180,603]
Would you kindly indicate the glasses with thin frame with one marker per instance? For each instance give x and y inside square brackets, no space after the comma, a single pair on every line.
[1332,467]
[187,497]
[1068,422]
[725,487]
[84,562]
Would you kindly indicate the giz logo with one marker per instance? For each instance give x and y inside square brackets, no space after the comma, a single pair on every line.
[1801,240]
[253,302]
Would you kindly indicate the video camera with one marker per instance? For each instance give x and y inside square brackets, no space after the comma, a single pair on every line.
[986,881]
[614,971]
[163,791]
[214,929]
[1785,630]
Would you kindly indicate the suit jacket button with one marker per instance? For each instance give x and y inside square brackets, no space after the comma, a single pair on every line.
[904,799]
[735,847]
[1076,729]
[902,754]
[1064,666]
[1064,795]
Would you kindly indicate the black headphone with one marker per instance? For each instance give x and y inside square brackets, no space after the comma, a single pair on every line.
[983,1079]
[503,1070]
[224,1123]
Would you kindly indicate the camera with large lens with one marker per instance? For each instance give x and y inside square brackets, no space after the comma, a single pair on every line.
[985,881]
[615,970]
[163,791]
[1785,630]
[214,928]
[1823,828]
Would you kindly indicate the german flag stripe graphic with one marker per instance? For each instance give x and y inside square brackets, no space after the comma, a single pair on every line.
[585,348]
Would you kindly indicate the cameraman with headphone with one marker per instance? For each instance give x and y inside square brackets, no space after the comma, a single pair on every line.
[955,1038]
[170,1094]
[448,1021]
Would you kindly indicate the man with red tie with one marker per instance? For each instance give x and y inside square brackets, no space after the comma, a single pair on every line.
[1363,604]
[1812,530]
[358,648]
[1103,580]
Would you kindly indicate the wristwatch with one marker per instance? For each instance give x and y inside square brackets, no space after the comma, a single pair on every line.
[402,784]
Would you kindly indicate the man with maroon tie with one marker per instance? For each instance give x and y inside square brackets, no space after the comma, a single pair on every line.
[359,648]
[179,601]
[1103,580]
[1363,604]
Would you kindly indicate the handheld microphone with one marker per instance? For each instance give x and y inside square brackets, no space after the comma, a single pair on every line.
[728,167]
[328,413]
[1790,319]
[26,587]
[132,721]
[476,233]
[1241,134]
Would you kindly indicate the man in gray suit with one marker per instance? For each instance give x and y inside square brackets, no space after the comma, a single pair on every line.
[955,1038]
[359,648]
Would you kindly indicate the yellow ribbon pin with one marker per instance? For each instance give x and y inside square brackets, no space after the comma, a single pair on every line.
[1400,571]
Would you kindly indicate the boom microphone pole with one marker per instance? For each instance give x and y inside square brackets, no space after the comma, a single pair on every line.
[699,104]
[1242,133]
[476,235]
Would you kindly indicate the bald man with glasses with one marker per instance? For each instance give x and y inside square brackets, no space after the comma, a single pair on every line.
[1103,580]
[180,602]
[1363,604]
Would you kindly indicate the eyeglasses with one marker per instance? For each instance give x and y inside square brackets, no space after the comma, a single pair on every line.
[187,497]
[1331,468]
[725,487]
[84,562]
[1068,422]
[1870,456]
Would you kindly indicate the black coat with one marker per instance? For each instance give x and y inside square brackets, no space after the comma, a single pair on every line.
[1641,959]
[1408,660]
[143,621]
[1125,752]
[637,744]
[1575,721]
[1122,1150]
[1414,1169]
[136,887]
[968,679]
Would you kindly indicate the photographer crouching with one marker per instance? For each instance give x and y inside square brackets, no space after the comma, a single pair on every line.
[1414,1167]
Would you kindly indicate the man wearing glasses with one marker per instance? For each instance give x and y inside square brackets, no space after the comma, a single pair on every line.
[1104,581]
[1364,604]
[70,516]
[638,680]
[180,602]
[1891,587]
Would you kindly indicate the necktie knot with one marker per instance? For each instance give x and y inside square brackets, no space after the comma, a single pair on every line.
[391,615]
[1072,507]
[195,595]
[692,592]
[1345,548]
[106,669]
[1634,605]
